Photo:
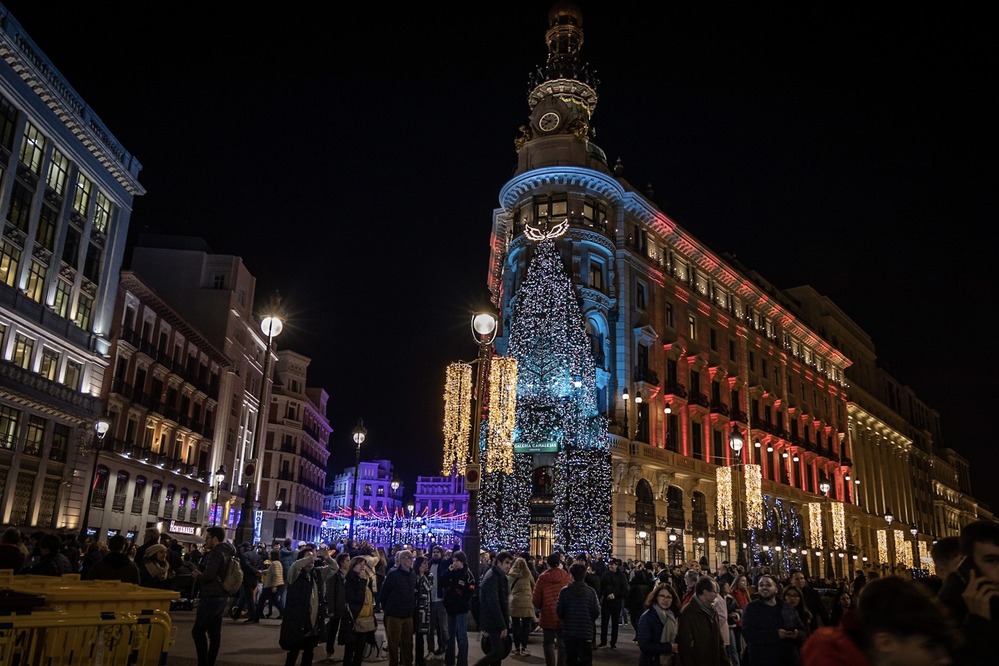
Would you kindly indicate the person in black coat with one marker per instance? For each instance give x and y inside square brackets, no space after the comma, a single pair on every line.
[663,613]
[578,608]
[613,592]
[457,585]
[639,587]
[494,609]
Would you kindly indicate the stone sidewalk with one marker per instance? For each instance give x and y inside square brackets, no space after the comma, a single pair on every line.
[244,644]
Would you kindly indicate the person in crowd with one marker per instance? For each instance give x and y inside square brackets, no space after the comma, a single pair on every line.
[336,602]
[154,570]
[272,586]
[897,623]
[578,608]
[791,596]
[771,627]
[457,585]
[421,612]
[303,620]
[690,578]
[698,637]
[50,561]
[96,550]
[398,599]
[149,537]
[946,555]
[360,602]
[11,553]
[843,608]
[729,622]
[545,597]
[657,628]
[613,591]
[207,628]
[521,582]
[287,556]
[813,602]
[246,600]
[639,586]
[437,638]
[115,565]
[494,608]
[971,593]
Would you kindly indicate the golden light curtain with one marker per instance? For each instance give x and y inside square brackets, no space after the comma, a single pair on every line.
[839,525]
[924,557]
[502,414]
[883,546]
[754,496]
[903,551]
[814,524]
[457,417]
[723,510]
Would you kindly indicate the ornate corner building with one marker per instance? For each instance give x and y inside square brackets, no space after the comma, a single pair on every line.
[697,355]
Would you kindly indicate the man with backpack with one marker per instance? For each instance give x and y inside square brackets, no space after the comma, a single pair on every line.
[213,598]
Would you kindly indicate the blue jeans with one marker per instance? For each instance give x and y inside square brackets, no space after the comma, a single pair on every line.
[437,638]
[207,628]
[457,630]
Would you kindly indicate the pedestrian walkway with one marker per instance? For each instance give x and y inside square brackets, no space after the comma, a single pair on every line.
[244,644]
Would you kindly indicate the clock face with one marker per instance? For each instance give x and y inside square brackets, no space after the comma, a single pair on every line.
[548,122]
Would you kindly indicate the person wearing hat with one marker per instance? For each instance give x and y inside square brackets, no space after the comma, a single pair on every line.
[154,570]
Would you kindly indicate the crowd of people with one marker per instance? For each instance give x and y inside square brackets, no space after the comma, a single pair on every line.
[682,615]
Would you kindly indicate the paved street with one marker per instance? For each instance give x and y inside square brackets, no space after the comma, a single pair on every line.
[244,644]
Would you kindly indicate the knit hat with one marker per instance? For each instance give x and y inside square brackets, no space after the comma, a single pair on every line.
[154,549]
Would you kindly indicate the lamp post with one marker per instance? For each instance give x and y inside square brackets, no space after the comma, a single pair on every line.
[484,328]
[359,434]
[101,427]
[271,326]
[736,442]
[395,510]
[219,480]
[914,531]
[625,398]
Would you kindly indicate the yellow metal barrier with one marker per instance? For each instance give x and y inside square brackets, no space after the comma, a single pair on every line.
[102,639]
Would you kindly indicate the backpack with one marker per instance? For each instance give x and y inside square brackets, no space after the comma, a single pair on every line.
[232,576]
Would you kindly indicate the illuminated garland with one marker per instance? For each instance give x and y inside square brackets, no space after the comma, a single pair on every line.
[924,558]
[814,524]
[838,525]
[457,417]
[556,409]
[903,554]
[754,496]
[723,477]
[502,414]
[883,546]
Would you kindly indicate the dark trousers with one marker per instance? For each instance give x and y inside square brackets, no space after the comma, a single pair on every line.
[578,651]
[246,600]
[275,599]
[521,630]
[610,611]
[207,628]
[353,648]
[309,644]
[332,629]
[497,651]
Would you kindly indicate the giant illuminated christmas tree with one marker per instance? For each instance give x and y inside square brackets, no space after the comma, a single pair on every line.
[556,405]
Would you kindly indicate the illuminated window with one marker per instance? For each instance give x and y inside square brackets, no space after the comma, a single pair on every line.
[58,171]
[10,257]
[692,327]
[36,280]
[49,366]
[84,311]
[62,298]
[74,373]
[23,349]
[596,274]
[82,194]
[35,435]
[9,419]
[32,148]
[45,234]
[102,213]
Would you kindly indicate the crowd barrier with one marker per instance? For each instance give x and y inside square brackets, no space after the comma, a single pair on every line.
[64,620]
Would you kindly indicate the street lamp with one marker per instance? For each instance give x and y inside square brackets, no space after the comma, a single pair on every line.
[219,480]
[359,434]
[101,427]
[888,516]
[484,328]
[271,326]
[824,486]
[736,442]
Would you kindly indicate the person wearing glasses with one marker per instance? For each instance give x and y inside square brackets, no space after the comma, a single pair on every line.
[207,628]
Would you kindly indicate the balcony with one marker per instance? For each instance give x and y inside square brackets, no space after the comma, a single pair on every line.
[718,407]
[647,375]
[674,389]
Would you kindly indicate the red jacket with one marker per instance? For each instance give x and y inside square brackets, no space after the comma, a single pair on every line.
[830,646]
[545,597]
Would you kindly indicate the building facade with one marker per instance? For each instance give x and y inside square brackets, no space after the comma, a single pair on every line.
[736,428]
[295,454]
[66,191]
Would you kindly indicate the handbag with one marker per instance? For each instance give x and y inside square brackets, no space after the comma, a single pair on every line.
[362,625]
[486,645]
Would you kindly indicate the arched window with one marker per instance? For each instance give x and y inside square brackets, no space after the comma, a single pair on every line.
[182,505]
[100,488]
[120,492]
[139,495]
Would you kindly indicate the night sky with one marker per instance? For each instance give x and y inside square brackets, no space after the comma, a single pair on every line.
[354,162]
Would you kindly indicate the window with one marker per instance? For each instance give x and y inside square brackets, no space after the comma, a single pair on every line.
[58,169]
[60,442]
[50,363]
[9,419]
[35,435]
[71,248]
[82,194]
[92,263]
[713,339]
[697,446]
[596,274]
[8,122]
[36,280]
[10,257]
[32,148]
[670,314]
[74,373]
[24,348]
[102,213]
[692,327]
[641,240]
[640,295]
[20,206]
[218,281]
[45,234]
[84,311]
